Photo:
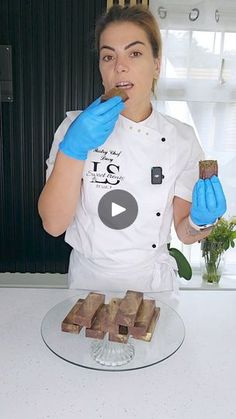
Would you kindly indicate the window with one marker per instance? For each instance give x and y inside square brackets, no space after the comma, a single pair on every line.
[198,86]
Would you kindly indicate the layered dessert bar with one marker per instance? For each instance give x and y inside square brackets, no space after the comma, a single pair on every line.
[207,168]
[108,322]
[68,324]
[95,331]
[86,313]
[143,318]
[149,333]
[128,308]
[115,91]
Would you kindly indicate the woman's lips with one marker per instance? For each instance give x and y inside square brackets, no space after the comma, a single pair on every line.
[126,85]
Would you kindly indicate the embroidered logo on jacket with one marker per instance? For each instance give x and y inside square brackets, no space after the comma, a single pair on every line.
[102,174]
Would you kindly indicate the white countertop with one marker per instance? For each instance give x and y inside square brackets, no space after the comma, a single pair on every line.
[197,382]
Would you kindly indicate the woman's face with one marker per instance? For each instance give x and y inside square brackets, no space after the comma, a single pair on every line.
[126,61]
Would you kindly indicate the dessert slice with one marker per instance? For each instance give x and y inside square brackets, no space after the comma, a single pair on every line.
[119,337]
[115,91]
[208,168]
[143,318]
[108,321]
[128,308]
[86,313]
[149,333]
[116,333]
[95,331]
[68,324]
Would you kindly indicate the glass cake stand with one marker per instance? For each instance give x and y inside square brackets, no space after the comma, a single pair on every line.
[111,356]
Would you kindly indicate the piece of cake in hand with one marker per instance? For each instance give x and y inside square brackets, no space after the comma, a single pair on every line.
[115,91]
[207,168]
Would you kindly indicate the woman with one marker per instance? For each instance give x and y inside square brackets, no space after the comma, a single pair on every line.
[120,173]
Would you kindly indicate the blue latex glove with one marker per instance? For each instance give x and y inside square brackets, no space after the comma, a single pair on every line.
[209,201]
[91,128]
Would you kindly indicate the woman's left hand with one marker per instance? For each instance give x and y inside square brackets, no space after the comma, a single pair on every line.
[208,203]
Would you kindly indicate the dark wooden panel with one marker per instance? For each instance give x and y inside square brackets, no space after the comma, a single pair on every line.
[54,70]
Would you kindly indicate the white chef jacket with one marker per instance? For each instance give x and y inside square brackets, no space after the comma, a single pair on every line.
[135,257]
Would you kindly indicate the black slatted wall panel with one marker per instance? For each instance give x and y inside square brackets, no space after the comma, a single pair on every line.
[54,70]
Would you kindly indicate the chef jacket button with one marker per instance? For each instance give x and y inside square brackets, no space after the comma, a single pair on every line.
[139,130]
[158,214]
[163,139]
[147,133]
[130,127]
[154,246]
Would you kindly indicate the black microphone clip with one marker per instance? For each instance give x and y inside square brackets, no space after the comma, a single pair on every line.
[156,175]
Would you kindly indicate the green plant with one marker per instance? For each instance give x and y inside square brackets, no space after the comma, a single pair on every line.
[213,247]
[184,268]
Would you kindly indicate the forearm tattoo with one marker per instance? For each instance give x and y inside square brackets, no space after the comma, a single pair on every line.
[190,231]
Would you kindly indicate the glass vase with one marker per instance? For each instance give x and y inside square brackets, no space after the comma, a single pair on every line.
[213,261]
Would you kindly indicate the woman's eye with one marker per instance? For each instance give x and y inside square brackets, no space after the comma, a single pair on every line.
[135,54]
[107,58]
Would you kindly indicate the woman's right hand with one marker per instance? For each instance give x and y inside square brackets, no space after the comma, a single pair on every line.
[91,128]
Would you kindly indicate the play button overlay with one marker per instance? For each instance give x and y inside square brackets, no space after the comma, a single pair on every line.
[118,209]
